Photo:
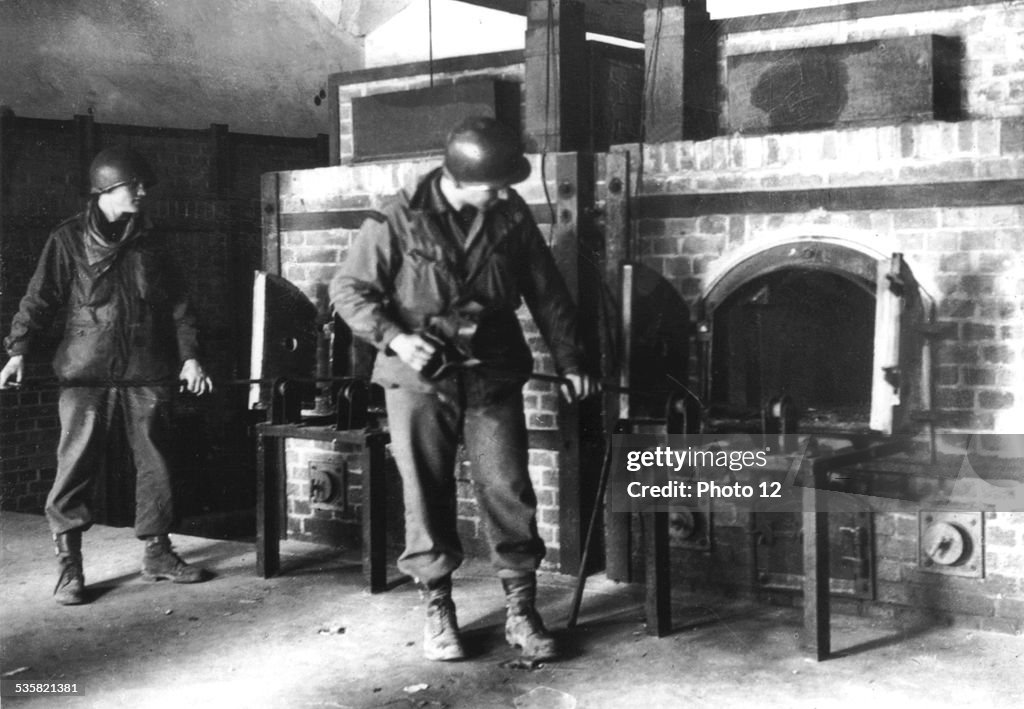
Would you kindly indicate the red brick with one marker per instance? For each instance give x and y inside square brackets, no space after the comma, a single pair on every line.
[892,593]
[737,229]
[987,137]
[941,241]
[967,420]
[976,331]
[965,137]
[1012,136]
[906,525]
[1016,91]
[701,263]
[715,183]
[958,354]
[661,246]
[1010,608]
[935,596]
[908,141]
[796,181]
[998,169]
[651,227]
[701,245]
[977,285]
[467,529]
[916,219]
[1000,537]
[955,263]
[997,263]
[978,240]
[956,308]
[1011,240]
[720,153]
[897,548]
[998,310]
[1000,354]
[888,570]
[979,377]
[995,399]
[677,267]
[714,224]
[885,525]
[949,398]
[703,156]
[1006,586]
[548,516]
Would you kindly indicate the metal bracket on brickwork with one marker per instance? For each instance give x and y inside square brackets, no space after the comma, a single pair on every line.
[952,543]
[691,529]
[328,482]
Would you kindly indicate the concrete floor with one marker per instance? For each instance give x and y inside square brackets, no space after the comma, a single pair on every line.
[314,638]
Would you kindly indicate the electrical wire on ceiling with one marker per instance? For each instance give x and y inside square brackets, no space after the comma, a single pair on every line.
[430,40]
[549,52]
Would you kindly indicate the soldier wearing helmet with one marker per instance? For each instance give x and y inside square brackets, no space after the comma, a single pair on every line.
[126,319]
[436,279]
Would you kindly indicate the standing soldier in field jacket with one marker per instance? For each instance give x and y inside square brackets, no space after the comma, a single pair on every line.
[441,273]
[127,318]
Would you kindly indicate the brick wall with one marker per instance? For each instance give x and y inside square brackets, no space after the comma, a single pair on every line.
[944,194]
[967,258]
[992,80]
[207,204]
[322,522]
[905,589]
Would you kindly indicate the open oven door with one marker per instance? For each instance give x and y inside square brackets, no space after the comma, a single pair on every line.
[900,372]
[284,336]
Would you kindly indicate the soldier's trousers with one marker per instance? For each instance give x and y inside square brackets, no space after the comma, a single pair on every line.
[87,417]
[425,433]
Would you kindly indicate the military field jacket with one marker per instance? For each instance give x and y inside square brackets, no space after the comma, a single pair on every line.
[125,312]
[413,268]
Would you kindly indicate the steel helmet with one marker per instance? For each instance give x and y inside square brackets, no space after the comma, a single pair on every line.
[118,166]
[481,152]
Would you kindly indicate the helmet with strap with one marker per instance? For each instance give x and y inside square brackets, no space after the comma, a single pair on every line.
[118,166]
[481,152]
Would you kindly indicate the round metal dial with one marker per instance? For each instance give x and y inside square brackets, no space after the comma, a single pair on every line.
[945,544]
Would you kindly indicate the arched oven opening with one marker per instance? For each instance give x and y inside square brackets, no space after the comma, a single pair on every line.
[797,333]
[816,335]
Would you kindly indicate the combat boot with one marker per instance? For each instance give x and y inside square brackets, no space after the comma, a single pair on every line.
[70,588]
[523,626]
[441,631]
[160,562]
